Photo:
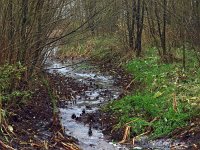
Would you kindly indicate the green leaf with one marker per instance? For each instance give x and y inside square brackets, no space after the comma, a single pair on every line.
[157,94]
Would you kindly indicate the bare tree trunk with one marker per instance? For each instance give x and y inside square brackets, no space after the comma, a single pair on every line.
[163,42]
[90,10]
[24,15]
[11,30]
[140,22]
[38,39]
[130,22]
[161,23]
[152,26]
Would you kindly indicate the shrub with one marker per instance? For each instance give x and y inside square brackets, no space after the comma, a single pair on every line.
[10,76]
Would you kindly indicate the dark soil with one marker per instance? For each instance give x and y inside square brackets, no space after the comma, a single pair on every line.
[105,120]
[190,134]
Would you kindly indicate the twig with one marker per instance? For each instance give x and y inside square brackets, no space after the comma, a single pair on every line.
[6,147]
[131,121]
[145,133]
[128,86]
[70,146]
[155,119]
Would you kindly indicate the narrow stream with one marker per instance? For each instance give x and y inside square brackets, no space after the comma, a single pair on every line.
[101,90]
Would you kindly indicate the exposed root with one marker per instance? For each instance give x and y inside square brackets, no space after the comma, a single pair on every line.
[127,132]
[145,133]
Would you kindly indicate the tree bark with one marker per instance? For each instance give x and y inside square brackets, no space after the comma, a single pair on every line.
[140,23]
[24,16]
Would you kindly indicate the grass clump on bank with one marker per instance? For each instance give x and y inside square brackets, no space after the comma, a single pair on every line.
[168,99]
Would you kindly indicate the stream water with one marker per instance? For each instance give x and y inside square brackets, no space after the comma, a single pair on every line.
[101,90]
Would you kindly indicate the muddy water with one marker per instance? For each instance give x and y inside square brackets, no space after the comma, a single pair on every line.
[101,90]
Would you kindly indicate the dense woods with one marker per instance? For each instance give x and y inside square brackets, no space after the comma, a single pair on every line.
[27,26]
[148,38]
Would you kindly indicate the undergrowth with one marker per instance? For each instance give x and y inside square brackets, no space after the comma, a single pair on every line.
[170,97]
[100,48]
[10,93]
[10,77]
